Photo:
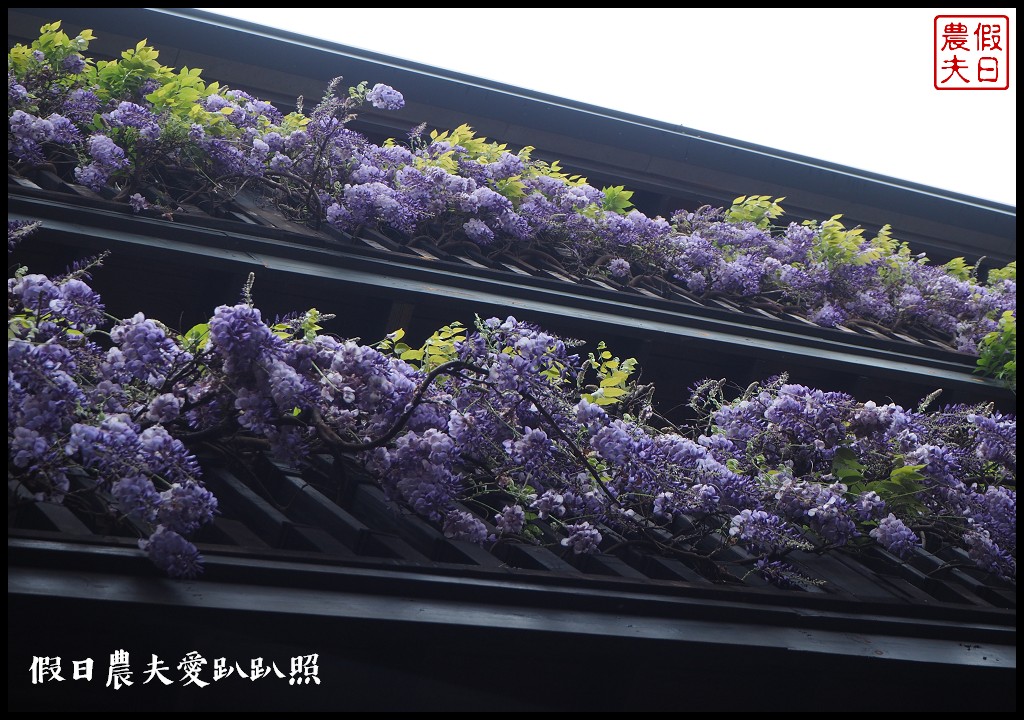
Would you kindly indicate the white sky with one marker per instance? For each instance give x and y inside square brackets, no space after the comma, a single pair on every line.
[851,86]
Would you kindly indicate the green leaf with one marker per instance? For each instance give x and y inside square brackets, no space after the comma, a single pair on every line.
[959,269]
[196,337]
[997,351]
[845,464]
[758,209]
[614,379]
[617,199]
[888,490]
[1006,273]
[907,474]
[855,486]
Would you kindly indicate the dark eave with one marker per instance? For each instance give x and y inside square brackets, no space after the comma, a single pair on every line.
[740,651]
[671,166]
[584,605]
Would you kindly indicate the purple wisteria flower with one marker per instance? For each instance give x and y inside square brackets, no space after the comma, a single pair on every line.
[138,203]
[73,63]
[583,538]
[185,507]
[829,315]
[477,231]
[894,536]
[550,503]
[173,554]
[132,115]
[461,525]
[80,106]
[385,97]
[137,497]
[239,335]
[510,520]
[618,268]
[29,134]
[988,556]
[760,530]
[164,408]
[143,351]
[418,472]
[107,158]
[16,92]
[27,447]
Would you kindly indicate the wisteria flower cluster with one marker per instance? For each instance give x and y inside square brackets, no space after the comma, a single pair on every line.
[89,421]
[496,434]
[128,126]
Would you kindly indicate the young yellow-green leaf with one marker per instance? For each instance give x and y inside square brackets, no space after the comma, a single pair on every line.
[907,475]
[617,199]
[958,268]
[1006,273]
[552,374]
[616,378]
[196,337]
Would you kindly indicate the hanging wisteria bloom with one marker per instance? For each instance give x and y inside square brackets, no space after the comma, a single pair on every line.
[385,97]
[173,554]
[138,202]
[510,520]
[461,525]
[894,536]
[618,268]
[583,538]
